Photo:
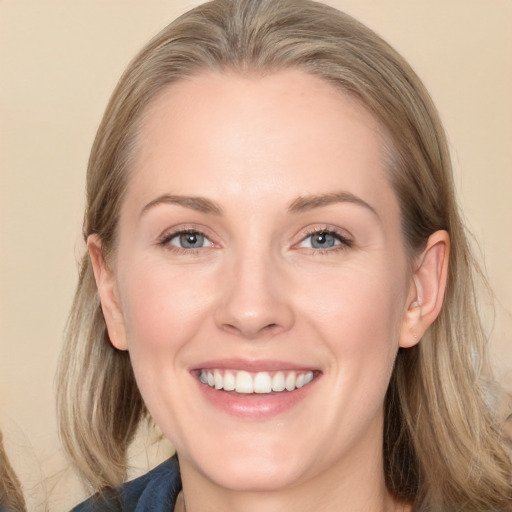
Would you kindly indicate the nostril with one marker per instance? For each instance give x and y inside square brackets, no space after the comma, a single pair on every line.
[231,328]
[253,315]
[251,331]
[270,329]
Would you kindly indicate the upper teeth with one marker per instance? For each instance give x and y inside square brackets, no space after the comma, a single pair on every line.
[260,382]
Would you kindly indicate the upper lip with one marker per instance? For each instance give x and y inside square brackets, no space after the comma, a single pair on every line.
[253,365]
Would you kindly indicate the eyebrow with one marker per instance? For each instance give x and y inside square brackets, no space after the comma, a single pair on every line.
[301,204]
[310,202]
[199,204]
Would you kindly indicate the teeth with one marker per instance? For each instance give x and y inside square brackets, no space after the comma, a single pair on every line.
[260,382]
[243,383]
[290,381]
[229,381]
[217,379]
[278,382]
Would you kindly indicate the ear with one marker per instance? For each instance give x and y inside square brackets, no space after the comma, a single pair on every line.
[428,285]
[106,284]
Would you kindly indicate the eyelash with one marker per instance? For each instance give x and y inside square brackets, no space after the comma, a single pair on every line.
[166,239]
[344,242]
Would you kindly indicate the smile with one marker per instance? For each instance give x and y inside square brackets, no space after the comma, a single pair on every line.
[245,382]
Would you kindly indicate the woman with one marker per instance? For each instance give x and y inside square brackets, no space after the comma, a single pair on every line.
[277,274]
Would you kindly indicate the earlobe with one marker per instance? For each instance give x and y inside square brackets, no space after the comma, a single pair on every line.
[105,282]
[428,285]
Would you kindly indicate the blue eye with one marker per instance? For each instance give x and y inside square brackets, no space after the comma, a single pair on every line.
[324,240]
[188,240]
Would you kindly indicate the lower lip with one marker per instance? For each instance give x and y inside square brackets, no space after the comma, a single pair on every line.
[254,406]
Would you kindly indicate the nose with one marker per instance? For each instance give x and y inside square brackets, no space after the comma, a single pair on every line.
[255,300]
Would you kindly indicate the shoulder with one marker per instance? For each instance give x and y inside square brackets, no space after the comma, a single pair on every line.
[155,491]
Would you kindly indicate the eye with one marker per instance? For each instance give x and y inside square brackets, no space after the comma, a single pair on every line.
[187,240]
[324,239]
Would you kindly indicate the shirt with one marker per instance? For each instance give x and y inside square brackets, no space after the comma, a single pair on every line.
[156,491]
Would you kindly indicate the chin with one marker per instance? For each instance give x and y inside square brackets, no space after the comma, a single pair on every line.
[257,469]
[250,475]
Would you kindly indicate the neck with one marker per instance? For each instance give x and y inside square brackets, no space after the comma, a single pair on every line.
[353,485]
[255,502]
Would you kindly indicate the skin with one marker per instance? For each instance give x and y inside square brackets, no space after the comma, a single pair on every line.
[256,147]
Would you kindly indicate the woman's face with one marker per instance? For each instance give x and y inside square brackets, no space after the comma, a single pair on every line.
[259,249]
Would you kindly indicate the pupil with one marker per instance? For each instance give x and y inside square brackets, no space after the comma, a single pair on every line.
[191,240]
[323,240]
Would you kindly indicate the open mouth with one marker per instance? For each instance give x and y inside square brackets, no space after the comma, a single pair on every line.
[241,381]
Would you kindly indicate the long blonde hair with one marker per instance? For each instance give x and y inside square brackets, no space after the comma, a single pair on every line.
[11,496]
[444,448]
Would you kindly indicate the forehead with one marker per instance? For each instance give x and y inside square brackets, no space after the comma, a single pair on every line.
[219,132]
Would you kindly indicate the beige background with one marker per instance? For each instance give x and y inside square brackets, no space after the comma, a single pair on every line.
[59,62]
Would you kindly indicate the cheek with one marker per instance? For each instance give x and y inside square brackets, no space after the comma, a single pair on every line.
[358,316]
[161,307]
[370,304]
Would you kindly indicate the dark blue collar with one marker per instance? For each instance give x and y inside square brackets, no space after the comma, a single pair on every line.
[156,491]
